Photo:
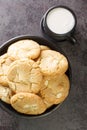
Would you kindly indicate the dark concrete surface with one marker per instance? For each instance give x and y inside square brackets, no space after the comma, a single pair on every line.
[23,17]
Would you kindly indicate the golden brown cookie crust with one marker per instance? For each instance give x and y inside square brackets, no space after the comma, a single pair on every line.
[52,63]
[5,94]
[5,62]
[24,49]
[55,93]
[43,47]
[24,76]
[28,103]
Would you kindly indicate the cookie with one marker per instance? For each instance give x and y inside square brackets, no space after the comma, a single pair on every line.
[63,89]
[52,63]
[43,47]
[49,83]
[5,62]
[55,93]
[5,94]
[24,76]
[28,103]
[24,49]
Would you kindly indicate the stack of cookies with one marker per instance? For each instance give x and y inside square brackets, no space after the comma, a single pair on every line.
[32,77]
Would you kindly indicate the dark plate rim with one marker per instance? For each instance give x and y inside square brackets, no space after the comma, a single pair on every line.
[22,37]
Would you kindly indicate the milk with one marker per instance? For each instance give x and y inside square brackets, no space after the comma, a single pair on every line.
[60,20]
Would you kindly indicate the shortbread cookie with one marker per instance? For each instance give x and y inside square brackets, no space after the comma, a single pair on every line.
[5,62]
[52,63]
[28,103]
[24,76]
[24,49]
[57,92]
[5,94]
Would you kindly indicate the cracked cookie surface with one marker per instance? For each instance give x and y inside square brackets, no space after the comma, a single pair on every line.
[5,62]
[5,94]
[24,76]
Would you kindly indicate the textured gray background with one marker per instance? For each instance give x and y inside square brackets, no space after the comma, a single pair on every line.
[23,17]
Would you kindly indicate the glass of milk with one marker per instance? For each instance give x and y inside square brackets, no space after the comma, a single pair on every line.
[59,23]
